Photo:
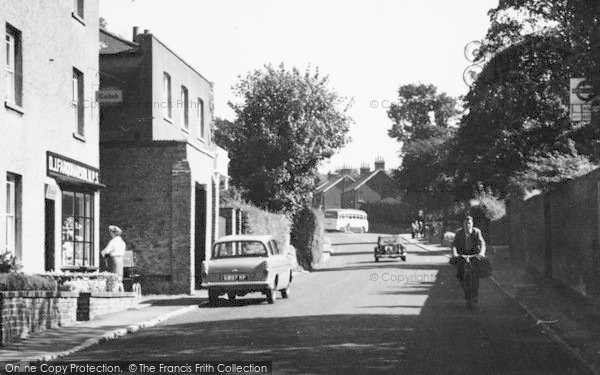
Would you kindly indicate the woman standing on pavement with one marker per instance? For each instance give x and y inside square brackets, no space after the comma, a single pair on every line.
[115,251]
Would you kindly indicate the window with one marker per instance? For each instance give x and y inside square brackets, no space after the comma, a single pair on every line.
[11,214]
[77,229]
[185,113]
[201,118]
[167,104]
[78,8]
[13,66]
[77,103]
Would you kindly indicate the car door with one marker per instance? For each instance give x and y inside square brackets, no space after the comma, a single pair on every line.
[280,261]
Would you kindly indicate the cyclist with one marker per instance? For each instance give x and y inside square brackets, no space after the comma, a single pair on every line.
[468,247]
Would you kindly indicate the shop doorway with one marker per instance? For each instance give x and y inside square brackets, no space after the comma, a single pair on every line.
[49,237]
[200,233]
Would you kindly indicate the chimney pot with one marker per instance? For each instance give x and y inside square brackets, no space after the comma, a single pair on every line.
[136,31]
[146,32]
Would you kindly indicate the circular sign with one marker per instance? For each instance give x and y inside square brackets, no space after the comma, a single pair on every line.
[584,91]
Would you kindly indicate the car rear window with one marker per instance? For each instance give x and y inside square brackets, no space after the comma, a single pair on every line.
[233,249]
[331,214]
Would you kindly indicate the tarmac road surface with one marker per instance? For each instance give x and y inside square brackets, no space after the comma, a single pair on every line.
[354,316]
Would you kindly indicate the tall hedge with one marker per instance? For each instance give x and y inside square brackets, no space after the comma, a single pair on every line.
[259,221]
[307,236]
[391,216]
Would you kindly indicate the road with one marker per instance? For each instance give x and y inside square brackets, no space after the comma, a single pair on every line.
[353,315]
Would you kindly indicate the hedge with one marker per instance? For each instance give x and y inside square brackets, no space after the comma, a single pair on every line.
[16,281]
[386,217]
[259,221]
[307,237]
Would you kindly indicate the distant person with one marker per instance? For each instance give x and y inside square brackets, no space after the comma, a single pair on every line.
[468,241]
[414,228]
[115,250]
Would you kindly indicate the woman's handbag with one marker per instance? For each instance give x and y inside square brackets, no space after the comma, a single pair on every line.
[483,267]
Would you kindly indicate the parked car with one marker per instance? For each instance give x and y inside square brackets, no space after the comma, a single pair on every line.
[390,247]
[243,264]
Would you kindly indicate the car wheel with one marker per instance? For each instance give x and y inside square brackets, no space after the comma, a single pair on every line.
[231,296]
[285,293]
[376,259]
[403,258]
[271,295]
[213,297]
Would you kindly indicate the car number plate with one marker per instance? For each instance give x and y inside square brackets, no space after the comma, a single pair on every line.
[235,277]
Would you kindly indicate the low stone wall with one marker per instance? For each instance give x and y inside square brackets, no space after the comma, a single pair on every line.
[90,305]
[22,313]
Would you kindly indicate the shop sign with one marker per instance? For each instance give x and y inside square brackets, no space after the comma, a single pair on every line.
[58,165]
[50,192]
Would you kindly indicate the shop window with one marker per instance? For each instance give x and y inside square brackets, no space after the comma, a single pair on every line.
[12,214]
[77,229]
[77,102]
[14,66]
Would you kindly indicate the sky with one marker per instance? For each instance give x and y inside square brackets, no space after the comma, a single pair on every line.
[368,48]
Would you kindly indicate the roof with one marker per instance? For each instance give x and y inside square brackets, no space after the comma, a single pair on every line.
[112,44]
[331,183]
[351,210]
[245,237]
[361,181]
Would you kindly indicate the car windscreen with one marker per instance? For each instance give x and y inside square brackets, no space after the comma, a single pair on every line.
[233,249]
[331,214]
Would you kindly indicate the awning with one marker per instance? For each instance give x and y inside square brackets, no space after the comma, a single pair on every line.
[68,181]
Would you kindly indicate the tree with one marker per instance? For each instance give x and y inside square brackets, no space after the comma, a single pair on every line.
[422,120]
[518,107]
[286,123]
[412,113]
[550,168]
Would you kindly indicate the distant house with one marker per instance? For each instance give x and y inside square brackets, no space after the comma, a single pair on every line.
[371,186]
[329,193]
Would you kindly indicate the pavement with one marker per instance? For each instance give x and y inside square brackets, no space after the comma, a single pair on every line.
[564,316]
[59,342]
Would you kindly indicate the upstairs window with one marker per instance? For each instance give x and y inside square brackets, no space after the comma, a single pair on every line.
[77,103]
[78,8]
[201,118]
[185,108]
[167,103]
[13,66]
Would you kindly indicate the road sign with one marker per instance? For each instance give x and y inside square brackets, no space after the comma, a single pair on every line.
[581,100]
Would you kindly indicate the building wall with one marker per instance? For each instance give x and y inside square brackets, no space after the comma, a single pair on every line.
[333,198]
[53,44]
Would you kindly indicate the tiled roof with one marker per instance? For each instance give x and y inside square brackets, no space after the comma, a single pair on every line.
[331,183]
[111,44]
[363,180]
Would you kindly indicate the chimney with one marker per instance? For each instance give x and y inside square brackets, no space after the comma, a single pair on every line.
[136,31]
[146,32]
[365,170]
[379,164]
[346,170]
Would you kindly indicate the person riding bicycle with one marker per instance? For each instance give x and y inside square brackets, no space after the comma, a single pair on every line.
[468,246]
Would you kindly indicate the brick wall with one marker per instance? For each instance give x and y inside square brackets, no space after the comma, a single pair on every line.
[557,233]
[91,305]
[23,313]
[149,196]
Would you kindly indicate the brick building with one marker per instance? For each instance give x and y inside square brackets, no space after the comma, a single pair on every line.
[49,154]
[162,170]
[371,186]
[329,193]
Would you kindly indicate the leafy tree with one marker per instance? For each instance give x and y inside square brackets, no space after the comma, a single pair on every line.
[286,123]
[549,168]
[517,108]
[411,113]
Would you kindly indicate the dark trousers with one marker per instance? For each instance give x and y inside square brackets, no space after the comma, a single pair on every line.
[469,279]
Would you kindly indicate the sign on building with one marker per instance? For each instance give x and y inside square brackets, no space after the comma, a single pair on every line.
[109,96]
[581,96]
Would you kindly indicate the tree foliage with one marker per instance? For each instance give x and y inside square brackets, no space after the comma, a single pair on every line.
[286,123]
[550,168]
[411,114]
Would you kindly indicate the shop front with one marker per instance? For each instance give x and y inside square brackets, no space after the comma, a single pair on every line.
[72,215]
